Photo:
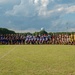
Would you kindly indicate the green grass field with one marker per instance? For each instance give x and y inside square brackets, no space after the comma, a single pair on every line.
[37,60]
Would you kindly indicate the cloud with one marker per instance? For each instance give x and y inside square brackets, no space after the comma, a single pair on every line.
[40,8]
[44,3]
[70,9]
[25,8]
[28,14]
[29,7]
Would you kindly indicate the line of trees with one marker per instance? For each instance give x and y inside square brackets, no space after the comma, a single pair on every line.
[42,32]
[6,31]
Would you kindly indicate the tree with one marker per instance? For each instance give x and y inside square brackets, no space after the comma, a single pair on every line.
[6,31]
[42,32]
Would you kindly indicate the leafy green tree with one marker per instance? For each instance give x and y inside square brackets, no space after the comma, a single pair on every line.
[6,31]
[42,32]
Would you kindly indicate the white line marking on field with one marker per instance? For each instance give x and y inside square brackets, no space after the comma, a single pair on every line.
[7,53]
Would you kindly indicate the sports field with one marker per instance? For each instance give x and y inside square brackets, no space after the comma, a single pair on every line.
[37,60]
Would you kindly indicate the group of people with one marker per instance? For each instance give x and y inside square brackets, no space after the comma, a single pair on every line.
[13,39]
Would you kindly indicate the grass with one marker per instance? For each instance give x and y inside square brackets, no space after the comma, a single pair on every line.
[37,60]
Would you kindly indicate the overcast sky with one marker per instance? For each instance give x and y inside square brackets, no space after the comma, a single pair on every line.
[32,15]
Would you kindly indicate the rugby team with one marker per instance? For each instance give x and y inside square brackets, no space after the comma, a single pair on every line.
[13,39]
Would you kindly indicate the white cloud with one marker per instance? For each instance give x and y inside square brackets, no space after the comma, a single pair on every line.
[36,1]
[39,7]
[71,9]
[29,7]
[44,3]
[61,10]
[23,9]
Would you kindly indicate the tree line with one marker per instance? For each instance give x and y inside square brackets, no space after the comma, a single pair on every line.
[42,32]
[6,31]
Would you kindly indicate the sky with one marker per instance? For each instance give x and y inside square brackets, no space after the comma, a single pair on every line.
[32,15]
